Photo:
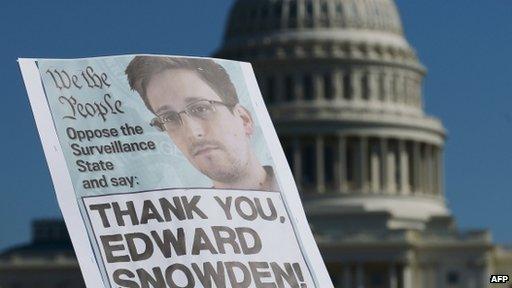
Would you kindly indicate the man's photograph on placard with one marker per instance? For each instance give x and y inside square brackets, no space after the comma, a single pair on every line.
[196,103]
[137,123]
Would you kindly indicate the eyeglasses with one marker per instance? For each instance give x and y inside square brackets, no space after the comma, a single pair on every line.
[172,121]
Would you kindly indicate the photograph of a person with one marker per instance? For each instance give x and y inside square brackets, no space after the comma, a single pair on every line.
[195,102]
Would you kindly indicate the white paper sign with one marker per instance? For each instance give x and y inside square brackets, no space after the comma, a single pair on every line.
[169,173]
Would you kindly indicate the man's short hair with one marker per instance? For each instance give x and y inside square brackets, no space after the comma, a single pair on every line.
[142,68]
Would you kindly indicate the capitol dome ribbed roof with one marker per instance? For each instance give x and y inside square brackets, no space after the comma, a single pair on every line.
[250,16]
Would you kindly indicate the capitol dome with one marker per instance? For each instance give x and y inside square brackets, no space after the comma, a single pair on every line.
[248,17]
[369,28]
[344,89]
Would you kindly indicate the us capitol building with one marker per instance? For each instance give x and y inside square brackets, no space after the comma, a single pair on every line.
[344,89]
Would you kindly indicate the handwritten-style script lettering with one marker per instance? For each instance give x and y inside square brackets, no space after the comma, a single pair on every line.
[91,109]
[63,80]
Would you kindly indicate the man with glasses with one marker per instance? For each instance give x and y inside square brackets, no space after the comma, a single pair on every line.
[196,103]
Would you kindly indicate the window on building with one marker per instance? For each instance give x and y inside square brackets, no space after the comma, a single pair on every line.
[377,279]
[394,149]
[423,167]
[400,87]
[406,89]
[374,161]
[339,10]
[288,152]
[292,14]
[412,169]
[309,9]
[264,11]
[328,91]
[452,278]
[325,9]
[270,90]
[417,93]
[308,162]
[261,84]
[253,13]
[395,88]
[324,13]
[350,158]
[434,169]
[329,163]
[293,9]
[382,86]
[347,91]
[278,9]
[365,87]
[64,284]
[334,271]
[308,88]
[288,87]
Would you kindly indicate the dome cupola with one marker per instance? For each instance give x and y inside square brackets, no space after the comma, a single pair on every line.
[344,89]
[269,16]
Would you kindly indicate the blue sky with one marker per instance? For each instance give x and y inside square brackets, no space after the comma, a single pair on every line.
[464,44]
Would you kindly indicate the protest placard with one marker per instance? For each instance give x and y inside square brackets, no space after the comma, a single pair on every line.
[169,173]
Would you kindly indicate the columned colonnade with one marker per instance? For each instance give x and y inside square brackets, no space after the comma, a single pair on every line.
[365,165]
[369,275]
[265,16]
[374,84]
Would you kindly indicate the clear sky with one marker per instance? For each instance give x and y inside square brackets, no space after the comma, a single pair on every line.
[464,44]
